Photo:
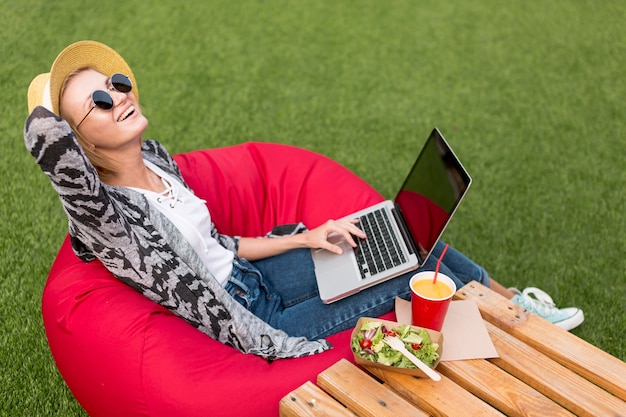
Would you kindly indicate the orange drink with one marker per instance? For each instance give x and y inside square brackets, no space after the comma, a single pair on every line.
[429,300]
[428,289]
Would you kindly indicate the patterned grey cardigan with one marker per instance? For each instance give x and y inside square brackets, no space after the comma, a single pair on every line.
[142,248]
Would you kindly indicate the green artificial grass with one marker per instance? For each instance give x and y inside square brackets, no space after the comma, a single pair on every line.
[530,94]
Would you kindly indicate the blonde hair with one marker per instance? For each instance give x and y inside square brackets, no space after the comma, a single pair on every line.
[104,166]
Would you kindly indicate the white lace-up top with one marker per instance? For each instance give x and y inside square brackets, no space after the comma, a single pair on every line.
[192,217]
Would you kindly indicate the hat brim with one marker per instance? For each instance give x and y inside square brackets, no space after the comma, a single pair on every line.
[39,92]
[79,55]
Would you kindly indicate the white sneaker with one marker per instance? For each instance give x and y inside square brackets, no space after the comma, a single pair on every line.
[538,302]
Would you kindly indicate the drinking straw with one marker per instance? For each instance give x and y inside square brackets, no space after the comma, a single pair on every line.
[443,252]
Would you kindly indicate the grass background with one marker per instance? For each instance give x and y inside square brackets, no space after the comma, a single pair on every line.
[530,93]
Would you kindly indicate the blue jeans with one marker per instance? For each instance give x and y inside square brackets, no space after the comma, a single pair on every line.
[282,291]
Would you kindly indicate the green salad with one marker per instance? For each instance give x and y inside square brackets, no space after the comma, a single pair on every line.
[368,344]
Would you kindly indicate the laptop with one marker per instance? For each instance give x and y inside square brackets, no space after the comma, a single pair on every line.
[401,233]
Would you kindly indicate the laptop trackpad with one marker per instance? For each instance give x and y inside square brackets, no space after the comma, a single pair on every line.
[336,274]
[330,263]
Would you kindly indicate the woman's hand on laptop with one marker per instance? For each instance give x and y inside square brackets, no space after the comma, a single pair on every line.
[330,234]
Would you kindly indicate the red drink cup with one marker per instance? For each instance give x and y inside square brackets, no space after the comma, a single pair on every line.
[429,302]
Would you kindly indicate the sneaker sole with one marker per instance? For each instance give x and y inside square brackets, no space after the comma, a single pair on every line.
[573,321]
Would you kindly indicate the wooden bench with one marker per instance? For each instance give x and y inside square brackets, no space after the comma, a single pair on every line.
[541,370]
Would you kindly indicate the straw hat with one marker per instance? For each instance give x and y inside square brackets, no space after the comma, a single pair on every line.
[45,89]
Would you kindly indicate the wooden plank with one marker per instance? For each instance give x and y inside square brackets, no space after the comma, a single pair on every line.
[442,398]
[552,379]
[362,394]
[564,347]
[310,401]
[500,389]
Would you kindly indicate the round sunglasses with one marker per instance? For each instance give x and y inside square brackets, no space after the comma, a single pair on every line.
[103,100]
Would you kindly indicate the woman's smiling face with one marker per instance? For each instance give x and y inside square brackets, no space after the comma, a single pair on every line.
[105,129]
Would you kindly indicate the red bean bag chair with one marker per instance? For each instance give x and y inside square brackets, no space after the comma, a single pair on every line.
[123,355]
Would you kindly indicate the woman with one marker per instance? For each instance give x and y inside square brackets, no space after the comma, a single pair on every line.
[128,206]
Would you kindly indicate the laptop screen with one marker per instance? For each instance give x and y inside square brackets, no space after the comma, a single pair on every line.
[431,192]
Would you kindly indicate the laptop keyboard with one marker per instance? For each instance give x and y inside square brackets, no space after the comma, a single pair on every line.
[381,250]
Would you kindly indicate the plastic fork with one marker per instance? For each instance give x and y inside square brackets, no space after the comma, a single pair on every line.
[398,345]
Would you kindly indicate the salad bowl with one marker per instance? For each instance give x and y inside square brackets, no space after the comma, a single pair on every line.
[366,343]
